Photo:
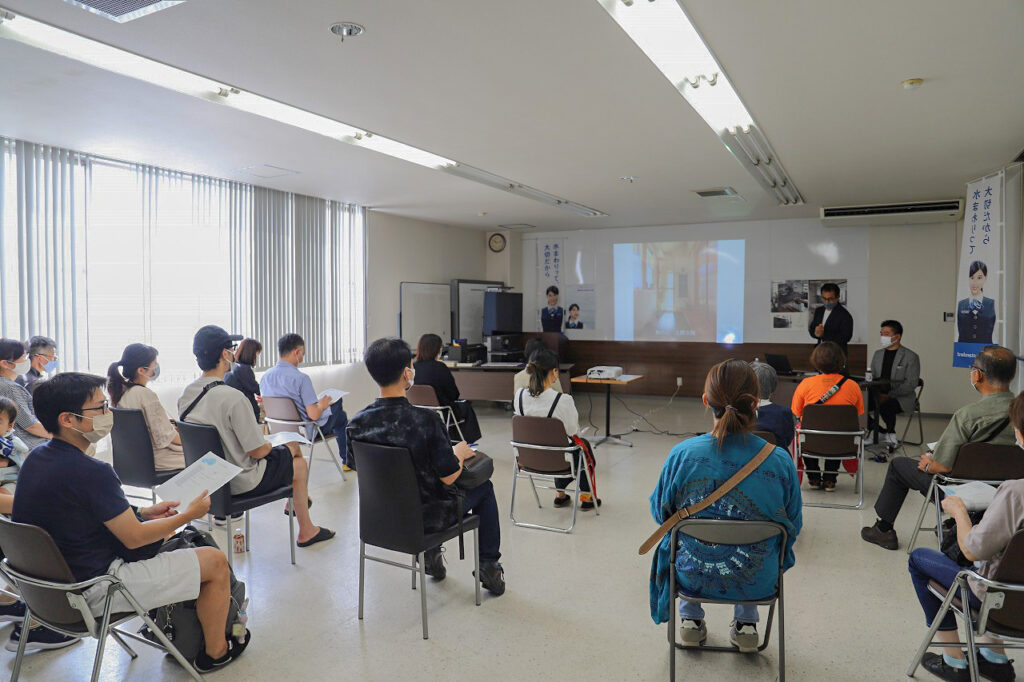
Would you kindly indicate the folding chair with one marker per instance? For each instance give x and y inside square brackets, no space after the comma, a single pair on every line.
[832,432]
[541,446]
[391,517]
[982,462]
[916,413]
[1001,614]
[728,532]
[283,416]
[767,436]
[54,598]
[132,450]
[422,395]
[199,439]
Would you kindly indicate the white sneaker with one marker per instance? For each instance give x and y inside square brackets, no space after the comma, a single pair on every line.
[744,637]
[891,439]
[870,438]
[693,632]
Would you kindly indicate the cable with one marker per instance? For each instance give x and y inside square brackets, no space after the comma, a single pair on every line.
[643,417]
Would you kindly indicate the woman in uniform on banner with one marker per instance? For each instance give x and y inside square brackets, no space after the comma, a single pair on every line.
[551,317]
[976,314]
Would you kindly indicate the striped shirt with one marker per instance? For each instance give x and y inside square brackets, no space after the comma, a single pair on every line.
[26,415]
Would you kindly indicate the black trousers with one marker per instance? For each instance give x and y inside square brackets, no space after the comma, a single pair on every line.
[887,411]
[902,477]
[813,470]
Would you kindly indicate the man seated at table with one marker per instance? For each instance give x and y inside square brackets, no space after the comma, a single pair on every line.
[286,380]
[901,367]
[392,420]
[985,420]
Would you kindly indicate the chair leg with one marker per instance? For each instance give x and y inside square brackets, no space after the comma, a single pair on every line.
[124,645]
[335,456]
[291,527]
[672,614]
[309,468]
[920,518]
[972,645]
[101,638]
[782,632]
[423,593]
[512,502]
[414,569]
[593,495]
[21,644]
[938,511]
[930,635]
[476,563]
[246,532]
[362,575]
[535,495]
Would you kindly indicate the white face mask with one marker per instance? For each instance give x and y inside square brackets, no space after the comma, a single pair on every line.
[412,379]
[22,366]
[101,426]
[885,341]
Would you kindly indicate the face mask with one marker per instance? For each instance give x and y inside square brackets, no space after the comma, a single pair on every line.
[885,341]
[155,371]
[830,306]
[50,366]
[101,427]
[22,366]
[969,378]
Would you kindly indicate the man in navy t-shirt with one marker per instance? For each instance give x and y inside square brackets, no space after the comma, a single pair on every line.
[79,502]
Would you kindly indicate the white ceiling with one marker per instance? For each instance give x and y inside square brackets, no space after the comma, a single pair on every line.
[550,93]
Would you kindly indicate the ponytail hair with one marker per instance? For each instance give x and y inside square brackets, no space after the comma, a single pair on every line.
[121,374]
[540,365]
[732,389]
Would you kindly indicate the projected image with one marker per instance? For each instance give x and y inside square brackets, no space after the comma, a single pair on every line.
[679,291]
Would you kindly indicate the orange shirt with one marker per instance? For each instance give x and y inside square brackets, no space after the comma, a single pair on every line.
[810,390]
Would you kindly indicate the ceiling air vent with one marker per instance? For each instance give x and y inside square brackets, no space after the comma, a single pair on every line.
[123,10]
[905,213]
[518,226]
[716,192]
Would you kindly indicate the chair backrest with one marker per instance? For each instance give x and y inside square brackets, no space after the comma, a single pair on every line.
[830,418]
[390,506]
[731,532]
[988,462]
[1011,570]
[132,448]
[768,436]
[31,551]
[282,409]
[422,395]
[196,441]
[544,431]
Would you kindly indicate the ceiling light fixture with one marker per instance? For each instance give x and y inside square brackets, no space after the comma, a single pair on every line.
[43,36]
[346,29]
[912,83]
[662,29]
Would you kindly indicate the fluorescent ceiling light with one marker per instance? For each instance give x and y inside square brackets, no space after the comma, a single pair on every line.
[666,35]
[36,34]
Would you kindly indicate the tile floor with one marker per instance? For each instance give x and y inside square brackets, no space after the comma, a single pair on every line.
[576,605]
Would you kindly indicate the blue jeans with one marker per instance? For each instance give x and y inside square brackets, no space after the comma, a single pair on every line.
[336,424]
[930,564]
[744,613]
[480,500]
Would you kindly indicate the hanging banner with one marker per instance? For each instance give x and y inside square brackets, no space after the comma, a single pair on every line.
[980,275]
[551,313]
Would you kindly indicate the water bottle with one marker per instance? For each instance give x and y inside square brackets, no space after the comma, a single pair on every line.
[239,541]
[238,628]
[869,375]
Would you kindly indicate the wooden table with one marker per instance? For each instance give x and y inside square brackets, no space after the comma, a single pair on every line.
[495,383]
[608,383]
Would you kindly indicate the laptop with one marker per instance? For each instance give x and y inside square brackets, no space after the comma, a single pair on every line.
[780,363]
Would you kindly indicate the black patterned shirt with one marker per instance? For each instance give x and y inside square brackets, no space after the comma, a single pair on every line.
[394,422]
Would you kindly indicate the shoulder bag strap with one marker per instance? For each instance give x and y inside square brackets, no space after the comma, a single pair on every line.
[206,389]
[554,403]
[831,391]
[698,507]
[999,429]
[522,412]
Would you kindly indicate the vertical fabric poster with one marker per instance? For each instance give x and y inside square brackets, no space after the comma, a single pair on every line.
[551,313]
[979,275]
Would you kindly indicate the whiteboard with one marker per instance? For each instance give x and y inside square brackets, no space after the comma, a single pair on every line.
[775,250]
[468,304]
[424,308]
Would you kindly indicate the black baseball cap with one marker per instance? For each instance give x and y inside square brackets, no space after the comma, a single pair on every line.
[210,340]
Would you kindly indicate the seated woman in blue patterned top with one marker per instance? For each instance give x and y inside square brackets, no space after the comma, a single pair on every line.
[697,467]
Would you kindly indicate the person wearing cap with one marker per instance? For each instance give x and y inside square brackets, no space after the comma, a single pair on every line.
[208,400]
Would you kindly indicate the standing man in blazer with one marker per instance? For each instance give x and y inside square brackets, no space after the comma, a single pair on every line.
[902,368]
[832,322]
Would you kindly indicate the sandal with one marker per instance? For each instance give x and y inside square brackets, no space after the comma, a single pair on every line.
[309,503]
[322,534]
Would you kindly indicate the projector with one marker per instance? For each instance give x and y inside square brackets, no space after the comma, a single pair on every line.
[604,372]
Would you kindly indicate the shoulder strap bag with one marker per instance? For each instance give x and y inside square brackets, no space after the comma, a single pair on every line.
[831,391]
[192,406]
[698,507]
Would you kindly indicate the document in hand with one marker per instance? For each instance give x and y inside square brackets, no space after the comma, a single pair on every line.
[977,496]
[209,473]
[335,394]
[283,437]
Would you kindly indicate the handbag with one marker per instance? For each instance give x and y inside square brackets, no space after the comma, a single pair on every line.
[718,493]
[476,470]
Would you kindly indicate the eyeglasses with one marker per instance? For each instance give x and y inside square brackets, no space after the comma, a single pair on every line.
[978,368]
[829,300]
[104,406]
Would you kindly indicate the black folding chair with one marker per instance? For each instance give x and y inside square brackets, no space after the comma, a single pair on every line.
[132,449]
[391,517]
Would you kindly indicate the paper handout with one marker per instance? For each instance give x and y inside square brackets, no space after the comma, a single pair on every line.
[977,496]
[283,437]
[335,394]
[210,472]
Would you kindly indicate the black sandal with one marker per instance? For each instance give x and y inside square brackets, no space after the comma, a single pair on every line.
[323,534]
[309,503]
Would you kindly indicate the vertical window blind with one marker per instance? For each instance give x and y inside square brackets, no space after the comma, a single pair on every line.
[99,253]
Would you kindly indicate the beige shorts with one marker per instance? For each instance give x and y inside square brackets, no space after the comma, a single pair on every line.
[167,578]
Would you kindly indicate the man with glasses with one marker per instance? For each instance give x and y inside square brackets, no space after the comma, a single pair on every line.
[208,400]
[832,321]
[985,421]
[78,500]
[42,355]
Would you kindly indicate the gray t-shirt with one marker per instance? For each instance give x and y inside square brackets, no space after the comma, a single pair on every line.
[228,410]
[26,415]
[989,539]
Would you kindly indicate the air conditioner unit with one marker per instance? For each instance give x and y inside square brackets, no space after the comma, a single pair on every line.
[906,213]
